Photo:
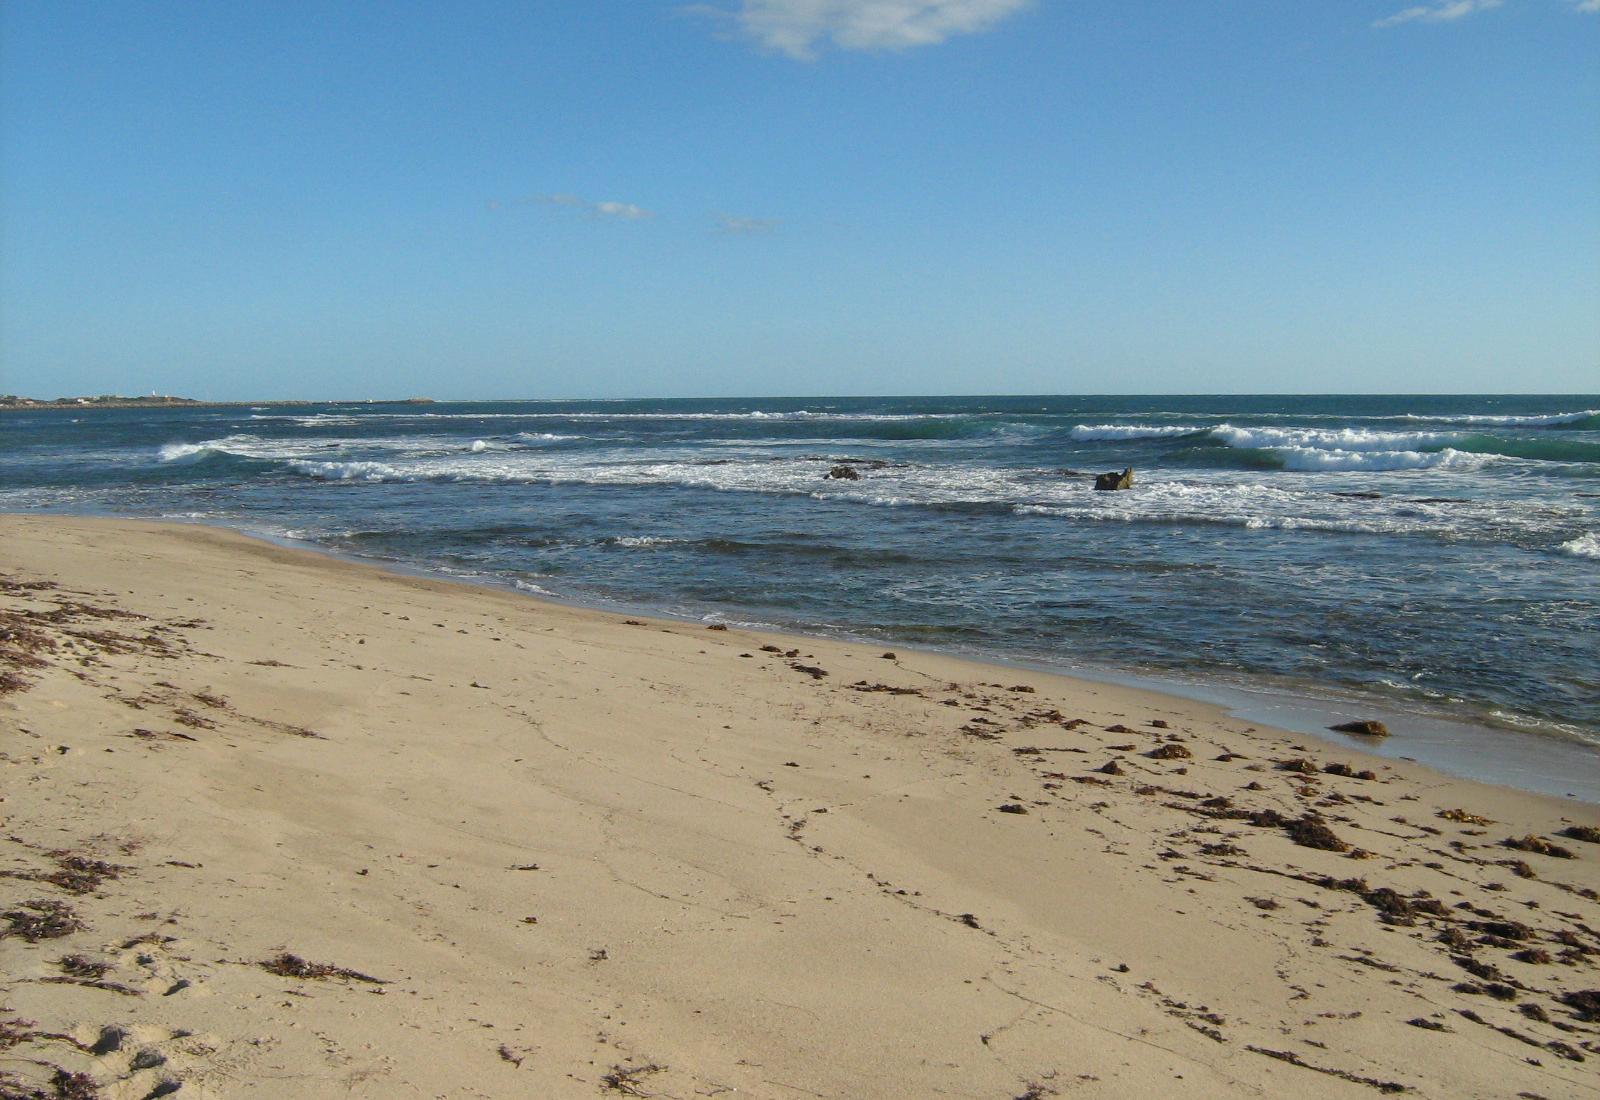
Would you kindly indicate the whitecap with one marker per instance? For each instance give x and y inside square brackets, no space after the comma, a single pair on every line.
[636,541]
[348,471]
[1584,546]
[1312,458]
[1530,421]
[1332,439]
[1085,432]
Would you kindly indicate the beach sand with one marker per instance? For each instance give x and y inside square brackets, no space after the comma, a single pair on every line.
[285,826]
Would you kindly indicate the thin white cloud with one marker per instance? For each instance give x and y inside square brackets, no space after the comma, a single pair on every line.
[733,223]
[625,210]
[1589,5]
[1441,11]
[622,211]
[799,28]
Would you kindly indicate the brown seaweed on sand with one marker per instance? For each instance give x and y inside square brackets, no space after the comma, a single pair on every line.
[1465,817]
[1539,846]
[1170,751]
[1295,1060]
[293,966]
[1311,831]
[41,919]
[1585,1002]
[79,874]
[626,1079]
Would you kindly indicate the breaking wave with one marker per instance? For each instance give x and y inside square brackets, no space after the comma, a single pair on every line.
[1086,432]
[1584,546]
[1588,418]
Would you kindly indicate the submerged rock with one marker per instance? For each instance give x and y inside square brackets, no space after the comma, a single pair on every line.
[1107,482]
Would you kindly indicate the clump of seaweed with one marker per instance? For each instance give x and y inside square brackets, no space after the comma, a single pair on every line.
[1539,846]
[1311,831]
[64,1085]
[1348,772]
[1585,1002]
[82,966]
[1396,908]
[863,685]
[79,874]
[626,1079]
[1465,817]
[14,1031]
[1587,833]
[293,966]
[1170,751]
[41,919]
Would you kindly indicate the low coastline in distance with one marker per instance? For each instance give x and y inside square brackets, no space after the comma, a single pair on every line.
[11,401]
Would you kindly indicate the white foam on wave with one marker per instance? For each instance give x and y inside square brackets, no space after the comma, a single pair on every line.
[1529,421]
[1086,432]
[639,541]
[244,446]
[1330,439]
[1312,459]
[348,471]
[1584,546]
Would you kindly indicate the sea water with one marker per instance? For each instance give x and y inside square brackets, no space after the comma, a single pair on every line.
[1433,557]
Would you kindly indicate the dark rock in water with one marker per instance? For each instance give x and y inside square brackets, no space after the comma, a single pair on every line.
[844,473]
[1106,482]
[1366,727]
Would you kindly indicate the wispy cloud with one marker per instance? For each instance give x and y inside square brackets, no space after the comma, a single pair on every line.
[1441,11]
[733,223]
[799,28]
[623,211]
[1589,5]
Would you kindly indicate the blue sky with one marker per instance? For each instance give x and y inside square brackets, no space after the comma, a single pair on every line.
[759,197]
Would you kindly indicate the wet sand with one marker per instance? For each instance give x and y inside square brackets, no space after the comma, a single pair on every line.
[282,825]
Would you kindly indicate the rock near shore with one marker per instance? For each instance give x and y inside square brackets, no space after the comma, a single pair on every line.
[1113,480]
[1366,727]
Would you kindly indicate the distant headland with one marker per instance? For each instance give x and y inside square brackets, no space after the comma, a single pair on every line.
[166,401]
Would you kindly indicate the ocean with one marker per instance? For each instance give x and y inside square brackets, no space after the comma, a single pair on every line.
[1431,558]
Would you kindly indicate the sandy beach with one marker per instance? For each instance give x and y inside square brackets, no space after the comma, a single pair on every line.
[280,825]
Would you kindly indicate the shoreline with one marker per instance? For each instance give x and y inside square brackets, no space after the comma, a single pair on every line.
[285,821]
[1544,762]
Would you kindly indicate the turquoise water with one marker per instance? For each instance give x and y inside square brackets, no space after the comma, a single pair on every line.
[1439,555]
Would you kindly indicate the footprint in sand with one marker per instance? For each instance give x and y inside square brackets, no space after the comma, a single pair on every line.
[141,1062]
